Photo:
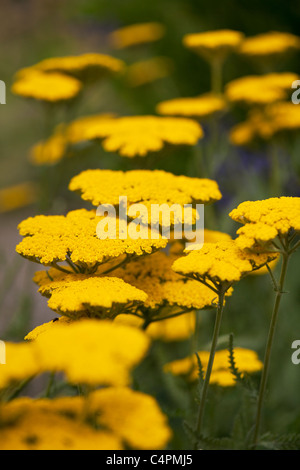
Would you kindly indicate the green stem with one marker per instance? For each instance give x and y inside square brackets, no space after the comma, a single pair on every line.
[216,75]
[210,363]
[265,372]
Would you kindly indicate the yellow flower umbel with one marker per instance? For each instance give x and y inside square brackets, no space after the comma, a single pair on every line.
[247,362]
[260,90]
[137,136]
[214,47]
[143,186]
[86,67]
[199,107]
[73,239]
[272,225]
[136,34]
[49,87]
[83,295]
[218,266]
[267,223]
[269,46]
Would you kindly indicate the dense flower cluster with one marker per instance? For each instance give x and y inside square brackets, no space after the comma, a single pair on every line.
[264,221]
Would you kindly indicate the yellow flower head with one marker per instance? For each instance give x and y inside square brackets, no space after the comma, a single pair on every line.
[50,87]
[178,328]
[79,294]
[133,136]
[94,352]
[247,361]
[211,44]
[260,89]
[219,263]
[85,67]
[273,43]
[197,107]
[265,220]
[136,34]
[52,239]
[143,186]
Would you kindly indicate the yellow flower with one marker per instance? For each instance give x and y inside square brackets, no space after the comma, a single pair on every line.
[93,296]
[51,239]
[93,352]
[143,186]
[50,87]
[133,136]
[265,220]
[218,263]
[178,328]
[36,427]
[210,44]
[148,71]
[89,66]
[21,364]
[165,289]
[87,351]
[260,89]
[17,196]
[273,43]
[199,107]
[132,415]
[247,361]
[136,34]
[115,411]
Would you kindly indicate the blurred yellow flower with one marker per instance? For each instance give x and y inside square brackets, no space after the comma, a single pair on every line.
[85,67]
[212,44]
[133,416]
[199,107]
[17,196]
[39,429]
[178,328]
[136,34]
[93,352]
[260,89]
[133,136]
[246,360]
[273,43]
[50,87]
[21,364]
[116,422]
